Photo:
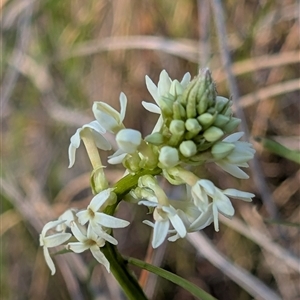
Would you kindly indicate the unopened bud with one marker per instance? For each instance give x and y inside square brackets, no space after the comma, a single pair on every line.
[168,156]
[193,126]
[232,125]
[155,138]
[128,140]
[177,127]
[221,121]
[188,148]
[213,133]
[206,119]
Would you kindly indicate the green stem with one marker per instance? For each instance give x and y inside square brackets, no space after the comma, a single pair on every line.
[119,269]
[118,265]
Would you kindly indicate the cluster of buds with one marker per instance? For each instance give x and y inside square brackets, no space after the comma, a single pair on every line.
[194,127]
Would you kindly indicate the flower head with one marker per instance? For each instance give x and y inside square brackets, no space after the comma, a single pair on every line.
[205,192]
[233,155]
[99,222]
[88,240]
[52,241]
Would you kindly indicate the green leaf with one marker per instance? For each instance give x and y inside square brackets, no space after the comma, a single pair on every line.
[284,223]
[190,287]
[279,149]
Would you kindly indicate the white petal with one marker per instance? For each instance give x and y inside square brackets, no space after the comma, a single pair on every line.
[99,200]
[158,124]
[178,225]
[216,219]
[224,206]
[56,239]
[174,238]
[100,141]
[78,247]
[49,260]
[232,169]
[128,140]
[160,232]
[185,80]
[149,223]
[233,137]
[102,234]
[123,105]
[152,88]
[164,83]
[208,186]
[203,220]
[50,225]
[72,155]
[151,107]
[95,126]
[100,257]
[148,203]
[110,221]
[239,194]
[83,216]
[77,233]
[117,157]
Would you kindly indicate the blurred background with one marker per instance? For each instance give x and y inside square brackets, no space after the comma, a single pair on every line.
[58,57]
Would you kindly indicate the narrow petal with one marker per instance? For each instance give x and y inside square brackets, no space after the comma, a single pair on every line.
[72,155]
[49,260]
[216,219]
[232,169]
[224,206]
[100,257]
[117,157]
[178,225]
[185,80]
[149,223]
[102,234]
[96,126]
[99,200]
[110,221]
[233,137]
[152,88]
[239,194]
[123,105]
[78,247]
[77,233]
[203,220]
[83,216]
[50,225]
[100,141]
[164,83]
[151,107]
[56,239]
[160,232]
[208,186]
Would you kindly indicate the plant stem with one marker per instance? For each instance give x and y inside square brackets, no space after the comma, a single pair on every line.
[119,269]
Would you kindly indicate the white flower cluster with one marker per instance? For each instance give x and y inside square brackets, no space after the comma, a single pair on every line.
[90,227]
[194,127]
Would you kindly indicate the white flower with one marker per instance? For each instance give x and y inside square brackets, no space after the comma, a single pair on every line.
[168,157]
[98,219]
[96,131]
[67,217]
[165,86]
[52,241]
[87,241]
[204,190]
[238,157]
[163,216]
[108,117]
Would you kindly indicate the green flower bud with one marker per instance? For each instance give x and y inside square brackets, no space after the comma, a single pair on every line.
[213,133]
[177,127]
[98,181]
[178,111]
[193,126]
[168,157]
[222,149]
[176,88]
[221,103]
[188,148]
[205,119]
[166,105]
[155,138]
[221,120]
[132,162]
[232,125]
